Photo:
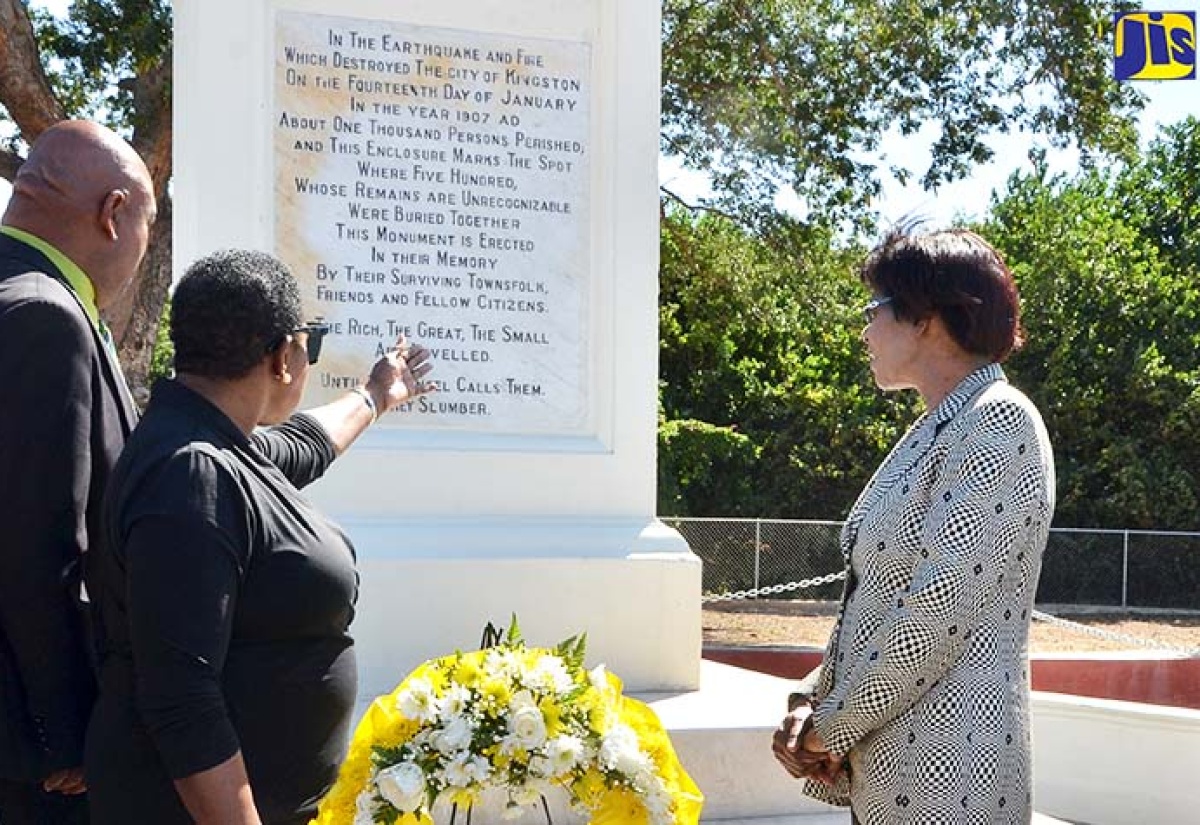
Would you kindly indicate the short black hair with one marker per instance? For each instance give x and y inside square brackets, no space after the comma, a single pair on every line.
[956,275]
[229,309]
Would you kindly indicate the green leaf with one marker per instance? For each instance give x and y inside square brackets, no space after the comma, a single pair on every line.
[513,636]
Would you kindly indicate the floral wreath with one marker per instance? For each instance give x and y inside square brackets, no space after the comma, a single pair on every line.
[520,720]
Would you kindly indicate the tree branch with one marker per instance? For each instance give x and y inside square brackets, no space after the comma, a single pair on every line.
[10,162]
[24,89]
[703,207]
[152,129]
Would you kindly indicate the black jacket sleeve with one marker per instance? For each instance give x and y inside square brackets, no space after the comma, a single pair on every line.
[46,682]
[299,447]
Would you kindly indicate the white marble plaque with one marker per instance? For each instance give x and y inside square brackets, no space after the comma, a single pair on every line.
[435,182]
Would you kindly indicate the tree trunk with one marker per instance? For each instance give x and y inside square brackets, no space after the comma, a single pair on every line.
[136,315]
[24,89]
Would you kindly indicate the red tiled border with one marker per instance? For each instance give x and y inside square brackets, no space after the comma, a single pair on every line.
[1174,682]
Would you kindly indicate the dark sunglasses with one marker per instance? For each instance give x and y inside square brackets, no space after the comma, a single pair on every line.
[316,334]
[872,308]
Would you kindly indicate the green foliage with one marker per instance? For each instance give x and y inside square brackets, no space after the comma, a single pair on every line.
[573,651]
[705,469]
[768,407]
[1165,190]
[1112,309]
[761,93]
[162,362]
[96,51]
[513,636]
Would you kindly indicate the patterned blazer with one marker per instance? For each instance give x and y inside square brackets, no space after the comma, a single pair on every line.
[925,681]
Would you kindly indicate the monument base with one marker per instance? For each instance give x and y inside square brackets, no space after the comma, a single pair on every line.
[428,588]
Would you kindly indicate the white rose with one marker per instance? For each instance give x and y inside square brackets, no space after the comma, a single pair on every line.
[521,699]
[403,786]
[527,727]
[456,736]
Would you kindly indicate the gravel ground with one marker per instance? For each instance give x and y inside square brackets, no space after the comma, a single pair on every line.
[766,622]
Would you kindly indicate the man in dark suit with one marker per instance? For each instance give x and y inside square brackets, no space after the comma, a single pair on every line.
[71,240]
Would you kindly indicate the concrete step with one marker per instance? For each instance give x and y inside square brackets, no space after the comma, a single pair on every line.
[722,734]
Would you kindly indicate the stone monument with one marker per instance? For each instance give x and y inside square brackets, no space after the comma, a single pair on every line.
[481,176]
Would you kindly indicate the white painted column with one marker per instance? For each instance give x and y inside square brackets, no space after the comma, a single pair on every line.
[527,485]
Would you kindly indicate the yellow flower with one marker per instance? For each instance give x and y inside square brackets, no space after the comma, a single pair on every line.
[468,671]
[414,818]
[590,788]
[495,692]
[620,806]
[552,713]
[462,797]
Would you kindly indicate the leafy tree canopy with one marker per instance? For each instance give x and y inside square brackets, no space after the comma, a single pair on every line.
[763,93]
[1112,306]
[765,377]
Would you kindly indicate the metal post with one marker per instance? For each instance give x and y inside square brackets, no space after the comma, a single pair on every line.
[757,551]
[1125,573]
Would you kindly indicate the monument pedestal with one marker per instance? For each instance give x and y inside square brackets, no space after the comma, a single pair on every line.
[429,587]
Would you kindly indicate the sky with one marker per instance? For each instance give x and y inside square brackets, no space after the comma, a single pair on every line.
[1167,102]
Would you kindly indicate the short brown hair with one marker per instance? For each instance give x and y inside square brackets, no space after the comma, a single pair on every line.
[956,275]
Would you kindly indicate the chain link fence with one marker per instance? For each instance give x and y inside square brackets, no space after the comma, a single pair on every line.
[1100,568]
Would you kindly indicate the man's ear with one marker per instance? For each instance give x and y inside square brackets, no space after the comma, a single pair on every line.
[114,202]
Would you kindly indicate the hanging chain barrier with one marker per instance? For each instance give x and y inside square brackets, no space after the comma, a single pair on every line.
[787,587]
[1111,635]
[1038,615]
[758,558]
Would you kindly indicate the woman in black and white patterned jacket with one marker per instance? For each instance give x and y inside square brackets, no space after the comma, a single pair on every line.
[920,712]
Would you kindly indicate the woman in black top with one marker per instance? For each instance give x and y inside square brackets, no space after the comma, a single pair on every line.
[222,597]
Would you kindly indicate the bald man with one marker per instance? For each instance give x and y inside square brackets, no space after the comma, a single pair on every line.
[71,240]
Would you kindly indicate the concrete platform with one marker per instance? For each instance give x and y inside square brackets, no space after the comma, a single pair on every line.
[722,734]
